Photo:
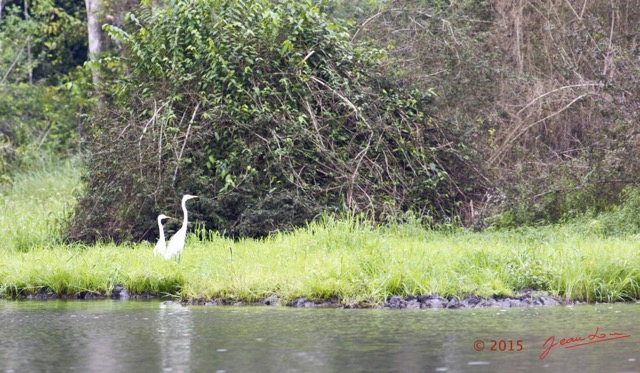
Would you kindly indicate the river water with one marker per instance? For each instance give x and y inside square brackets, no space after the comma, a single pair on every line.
[148,336]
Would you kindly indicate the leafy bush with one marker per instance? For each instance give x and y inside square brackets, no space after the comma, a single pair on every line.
[270,113]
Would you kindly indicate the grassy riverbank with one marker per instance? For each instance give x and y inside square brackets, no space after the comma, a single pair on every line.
[350,260]
[354,263]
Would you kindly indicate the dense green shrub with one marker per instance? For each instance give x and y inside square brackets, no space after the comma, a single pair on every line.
[271,114]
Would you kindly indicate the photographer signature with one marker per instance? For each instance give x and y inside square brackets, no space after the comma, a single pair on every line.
[572,342]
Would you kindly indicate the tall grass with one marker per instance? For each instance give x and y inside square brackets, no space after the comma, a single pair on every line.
[35,203]
[355,263]
[347,258]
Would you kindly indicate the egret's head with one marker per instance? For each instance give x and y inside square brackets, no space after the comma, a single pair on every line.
[163,217]
[188,197]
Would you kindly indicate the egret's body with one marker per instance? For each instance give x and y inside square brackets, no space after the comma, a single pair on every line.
[161,246]
[176,243]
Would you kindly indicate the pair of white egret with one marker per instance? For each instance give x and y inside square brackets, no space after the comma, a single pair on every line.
[176,243]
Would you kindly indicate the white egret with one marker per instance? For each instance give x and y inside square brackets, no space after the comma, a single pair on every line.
[176,243]
[161,246]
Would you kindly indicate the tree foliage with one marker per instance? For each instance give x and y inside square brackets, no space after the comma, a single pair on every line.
[48,39]
[42,85]
[270,113]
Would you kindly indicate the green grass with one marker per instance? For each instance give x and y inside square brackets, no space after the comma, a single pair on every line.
[35,204]
[348,259]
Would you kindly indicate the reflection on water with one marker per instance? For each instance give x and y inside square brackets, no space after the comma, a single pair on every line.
[108,336]
[175,329]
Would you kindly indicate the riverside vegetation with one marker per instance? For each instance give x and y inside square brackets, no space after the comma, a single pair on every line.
[419,117]
[347,259]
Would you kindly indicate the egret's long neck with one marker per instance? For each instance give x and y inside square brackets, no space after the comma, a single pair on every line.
[161,230]
[184,210]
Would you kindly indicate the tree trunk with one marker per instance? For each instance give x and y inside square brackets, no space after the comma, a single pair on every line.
[95,12]
[29,67]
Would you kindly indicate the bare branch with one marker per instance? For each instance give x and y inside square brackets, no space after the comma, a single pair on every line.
[186,137]
[557,90]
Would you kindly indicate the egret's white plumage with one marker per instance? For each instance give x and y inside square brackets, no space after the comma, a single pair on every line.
[176,243]
[161,246]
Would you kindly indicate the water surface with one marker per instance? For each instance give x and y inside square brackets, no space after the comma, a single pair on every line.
[143,336]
